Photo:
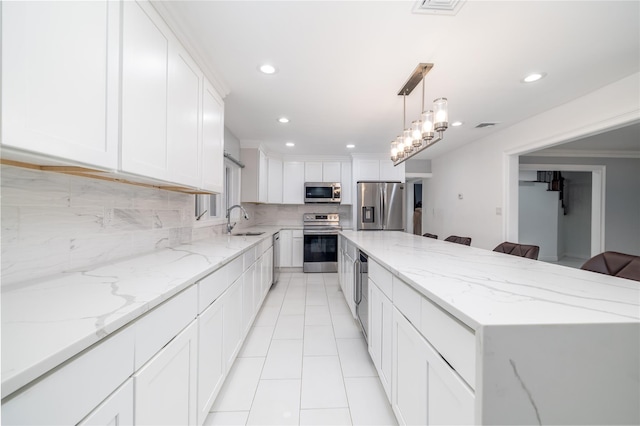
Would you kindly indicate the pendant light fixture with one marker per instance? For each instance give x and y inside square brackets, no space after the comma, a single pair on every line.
[428,129]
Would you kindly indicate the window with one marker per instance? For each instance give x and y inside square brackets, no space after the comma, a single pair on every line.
[214,206]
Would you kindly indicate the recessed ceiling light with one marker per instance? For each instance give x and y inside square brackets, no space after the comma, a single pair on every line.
[290,144]
[267,69]
[351,146]
[457,123]
[533,77]
[283,120]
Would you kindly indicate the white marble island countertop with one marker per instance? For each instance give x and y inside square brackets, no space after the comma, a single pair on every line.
[482,287]
[44,323]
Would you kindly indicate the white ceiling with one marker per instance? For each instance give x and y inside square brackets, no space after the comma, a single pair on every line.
[341,64]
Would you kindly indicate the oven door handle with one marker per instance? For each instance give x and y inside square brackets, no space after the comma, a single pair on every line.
[320,232]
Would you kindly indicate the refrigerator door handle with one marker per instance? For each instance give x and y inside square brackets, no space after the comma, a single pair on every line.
[383,209]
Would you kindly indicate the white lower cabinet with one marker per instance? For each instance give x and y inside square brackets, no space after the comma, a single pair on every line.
[211,361]
[232,323]
[297,248]
[380,335]
[249,295]
[425,390]
[116,410]
[165,387]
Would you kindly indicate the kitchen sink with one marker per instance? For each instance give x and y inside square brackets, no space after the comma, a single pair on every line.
[247,234]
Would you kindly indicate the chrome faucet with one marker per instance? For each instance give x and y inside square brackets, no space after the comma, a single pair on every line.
[229,225]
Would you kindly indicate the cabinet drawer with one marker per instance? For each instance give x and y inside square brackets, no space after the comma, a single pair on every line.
[213,285]
[381,277]
[452,339]
[70,392]
[249,257]
[407,301]
[158,327]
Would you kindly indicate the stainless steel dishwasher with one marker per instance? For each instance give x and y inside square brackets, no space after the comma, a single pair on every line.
[276,257]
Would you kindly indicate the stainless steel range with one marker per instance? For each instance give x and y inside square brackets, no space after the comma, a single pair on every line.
[321,242]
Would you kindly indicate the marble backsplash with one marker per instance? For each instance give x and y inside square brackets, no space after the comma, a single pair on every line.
[52,223]
[291,215]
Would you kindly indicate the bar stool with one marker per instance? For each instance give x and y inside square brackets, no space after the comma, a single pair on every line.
[522,250]
[459,240]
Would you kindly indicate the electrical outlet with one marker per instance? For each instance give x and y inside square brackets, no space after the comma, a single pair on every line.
[460,196]
[498,211]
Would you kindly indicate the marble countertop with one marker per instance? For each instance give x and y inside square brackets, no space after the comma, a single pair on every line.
[47,322]
[482,287]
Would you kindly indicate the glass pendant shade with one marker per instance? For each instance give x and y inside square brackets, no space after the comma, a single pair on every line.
[406,135]
[394,150]
[427,125]
[416,132]
[441,114]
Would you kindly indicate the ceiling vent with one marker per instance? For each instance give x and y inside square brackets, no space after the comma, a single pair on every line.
[438,7]
[485,124]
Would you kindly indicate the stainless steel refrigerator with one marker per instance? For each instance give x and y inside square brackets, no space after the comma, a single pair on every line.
[381,206]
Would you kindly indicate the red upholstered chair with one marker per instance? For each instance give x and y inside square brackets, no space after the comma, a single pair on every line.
[522,250]
[613,263]
[428,235]
[459,240]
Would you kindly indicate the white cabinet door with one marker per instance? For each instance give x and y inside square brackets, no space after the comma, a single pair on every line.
[211,362]
[346,183]
[425,390]
[232,322]
[255,175]
[117,409]
[286,243]
[212,139]
[297,249]
[293,182]
[248,297]
[145,59]
[274,193]
[389,172]
[263,177]
[380,330]
[165,388]
[60,70]
[183,118]
[331,171]
[349,285]
[313,171]
[367,170]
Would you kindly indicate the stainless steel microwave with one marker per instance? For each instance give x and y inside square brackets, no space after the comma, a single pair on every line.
[322,192]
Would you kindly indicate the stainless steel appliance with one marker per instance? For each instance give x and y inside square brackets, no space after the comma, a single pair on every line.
[361,292]
[381,206]
[322,192]
[320,234]
[276,257]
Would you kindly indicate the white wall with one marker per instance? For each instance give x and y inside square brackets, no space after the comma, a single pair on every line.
[575,230]
[538,218]
[622,199]
[479,170]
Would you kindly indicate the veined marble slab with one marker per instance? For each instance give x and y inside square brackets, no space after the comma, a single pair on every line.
[49,321]
[482,287]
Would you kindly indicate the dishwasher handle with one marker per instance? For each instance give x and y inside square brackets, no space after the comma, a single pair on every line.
[357,288]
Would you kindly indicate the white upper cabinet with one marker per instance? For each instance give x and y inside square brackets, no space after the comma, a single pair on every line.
[60,65]
[313,171]
[274,191]
[293,182]
[331,171]
[347,183]
[255,176]
[183,118]
[161,101]
[145,59]
[212,140]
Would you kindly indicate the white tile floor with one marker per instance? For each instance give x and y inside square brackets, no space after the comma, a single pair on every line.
[305,362]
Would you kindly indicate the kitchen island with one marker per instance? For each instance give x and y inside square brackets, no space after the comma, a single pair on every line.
[498,339]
